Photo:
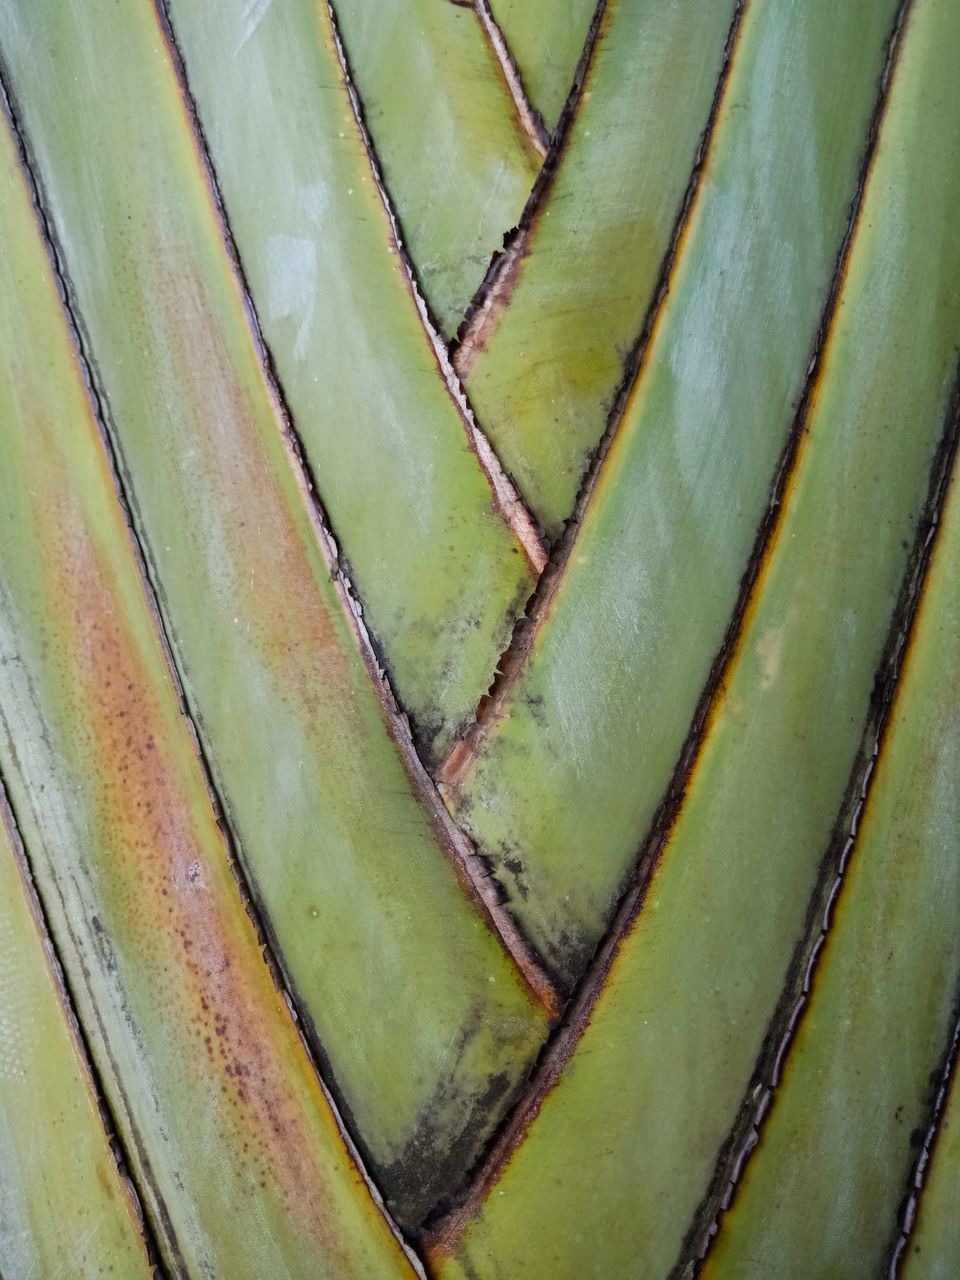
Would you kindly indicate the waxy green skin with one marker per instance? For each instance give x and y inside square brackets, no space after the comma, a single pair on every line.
[675,1035]
[822,1193]
[933,1249]
[551,362]
[455,157]
[64,1209]
[220,1110]
[423,1020]
[571,771]
[440,573]
[545,39]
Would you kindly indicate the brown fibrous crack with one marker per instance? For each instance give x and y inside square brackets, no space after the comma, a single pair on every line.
[529,117]
[500,277]
[472,872]
[918,1175]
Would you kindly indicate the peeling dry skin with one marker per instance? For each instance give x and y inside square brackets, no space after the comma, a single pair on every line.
[67,1207]
[406,991]
[199,1056]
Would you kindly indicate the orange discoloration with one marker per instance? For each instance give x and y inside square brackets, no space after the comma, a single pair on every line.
[171,908]
[271,579]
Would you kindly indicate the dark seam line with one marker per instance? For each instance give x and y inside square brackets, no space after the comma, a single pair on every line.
[65,990]
[529,117]
[947,1074]
[797,996]
[473,872]
[477,314]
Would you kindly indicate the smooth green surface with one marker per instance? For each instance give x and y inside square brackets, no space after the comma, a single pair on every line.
[438,570]
[838,1150]
[236,1153]
[546,39]
[550,366]
[857,1084]
[565,786]
[933,1250]
[624,1147]
[63,1207]
[423,1019]
[455,158]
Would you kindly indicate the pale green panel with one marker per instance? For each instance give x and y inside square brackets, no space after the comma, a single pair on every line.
[64,1210]
[437,568]
[237,1155]
[624,1147]
[565,786]
[425,1023]
[862,1074]
[545,39]
[455,158]
[933,1250]
[547,372]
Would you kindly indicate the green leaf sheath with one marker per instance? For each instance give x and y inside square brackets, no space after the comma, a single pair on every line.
[234,1146]
[544,366]
[423,1017]
[838,1149]
[576,759]
[455,157]
[439,571]
[546,39]
[933,1249]
[64,1208]
[675,1034]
